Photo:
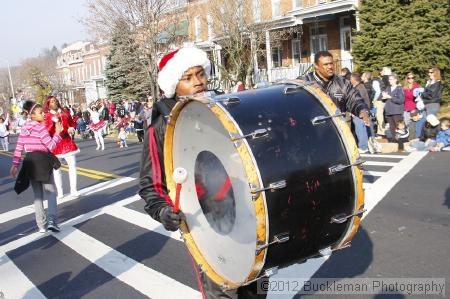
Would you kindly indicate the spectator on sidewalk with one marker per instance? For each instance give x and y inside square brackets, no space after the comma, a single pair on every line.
[378,104]
[4,132]
[443,137]
[408,88]
[401,135]
[360,128]
[432,94]
[393,109]
[139,128]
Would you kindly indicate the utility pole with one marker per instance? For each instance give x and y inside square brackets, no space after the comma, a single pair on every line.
[10,81]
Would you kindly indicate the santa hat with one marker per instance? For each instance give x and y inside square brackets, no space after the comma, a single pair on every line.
[173,65]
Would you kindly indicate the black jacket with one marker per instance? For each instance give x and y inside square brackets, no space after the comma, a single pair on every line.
[433,93]
[152,178]
[37,166]
[341,91]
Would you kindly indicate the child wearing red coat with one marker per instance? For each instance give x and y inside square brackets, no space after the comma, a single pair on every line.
[66,149]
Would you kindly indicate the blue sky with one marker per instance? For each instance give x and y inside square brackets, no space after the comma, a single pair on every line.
[28,26]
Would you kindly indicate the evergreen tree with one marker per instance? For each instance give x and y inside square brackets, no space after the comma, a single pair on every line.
[407,35]
[126,76]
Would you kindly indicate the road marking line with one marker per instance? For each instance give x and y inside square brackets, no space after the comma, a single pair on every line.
[15,284]
[13,214]
[378,191]
[367,186]
[142,278]
[94,174]
[142,220]
[383,156]
[384,184]
[378,163]
[373,173]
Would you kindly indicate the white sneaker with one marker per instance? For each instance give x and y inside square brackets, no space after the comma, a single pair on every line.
[42,230]
[361,151]
[97,148]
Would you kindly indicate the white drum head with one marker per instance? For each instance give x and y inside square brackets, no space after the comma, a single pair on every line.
[216,197]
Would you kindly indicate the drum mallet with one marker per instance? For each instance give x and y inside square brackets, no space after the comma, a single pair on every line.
[179,176]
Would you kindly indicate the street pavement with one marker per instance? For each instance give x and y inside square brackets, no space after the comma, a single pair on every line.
[109,248]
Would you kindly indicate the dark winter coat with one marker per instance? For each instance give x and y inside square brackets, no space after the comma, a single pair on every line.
[341,91]
[152,178]
[37,166]
[394,105]
[433,93]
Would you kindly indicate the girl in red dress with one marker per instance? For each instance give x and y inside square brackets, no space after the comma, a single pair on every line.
[67,148]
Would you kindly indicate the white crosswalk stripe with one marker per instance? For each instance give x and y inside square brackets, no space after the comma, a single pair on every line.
[155,284]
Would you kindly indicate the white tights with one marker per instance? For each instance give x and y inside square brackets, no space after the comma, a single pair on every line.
[72,163]
[99,139]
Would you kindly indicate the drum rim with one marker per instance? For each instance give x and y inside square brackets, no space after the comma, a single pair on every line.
[253,175]
[353,154]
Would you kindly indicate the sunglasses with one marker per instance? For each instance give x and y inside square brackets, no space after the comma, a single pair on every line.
[410,77]
[430,72]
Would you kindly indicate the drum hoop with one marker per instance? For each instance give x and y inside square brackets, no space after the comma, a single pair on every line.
[253,175]
[353,153]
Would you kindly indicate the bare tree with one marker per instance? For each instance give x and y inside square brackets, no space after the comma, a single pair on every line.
[156,25]
[240,28]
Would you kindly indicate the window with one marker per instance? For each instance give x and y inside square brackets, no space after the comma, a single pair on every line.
[210,27]
[256,10]
[297,3]
[197,28]
[346,40]
[275,8]
[276,57]
[296,49]
[319,39]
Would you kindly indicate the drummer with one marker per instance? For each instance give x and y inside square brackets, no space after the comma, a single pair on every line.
[340,90]
[182,72]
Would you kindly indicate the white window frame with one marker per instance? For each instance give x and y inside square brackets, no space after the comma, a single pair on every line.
[297,4]
[276,11]
[323,36]
[257,13]
[278,52]
[294,41]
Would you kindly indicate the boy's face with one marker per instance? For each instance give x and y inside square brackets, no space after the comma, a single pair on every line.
[445,126]
[193,81]
[415,117]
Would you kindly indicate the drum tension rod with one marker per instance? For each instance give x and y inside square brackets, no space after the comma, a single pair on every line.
[341,218]
[341,167]
[277,239]
[230,101]
[267,273]
[322,118]
[255,134]
[272,186]
[327,251]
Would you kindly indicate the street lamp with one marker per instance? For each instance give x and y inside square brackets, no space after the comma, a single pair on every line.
[10,81]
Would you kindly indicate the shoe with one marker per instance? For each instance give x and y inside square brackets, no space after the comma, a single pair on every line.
[126,145]
[42,230]
[52,226]
[362,151]
[121,146]
[97,148]
[103,148]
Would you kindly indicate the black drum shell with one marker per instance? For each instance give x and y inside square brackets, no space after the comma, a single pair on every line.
[301,153]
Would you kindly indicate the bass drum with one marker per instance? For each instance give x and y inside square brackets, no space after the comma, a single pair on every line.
[273,179]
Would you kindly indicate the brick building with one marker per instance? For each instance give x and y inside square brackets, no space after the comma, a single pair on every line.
[314,25]
[81,67]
